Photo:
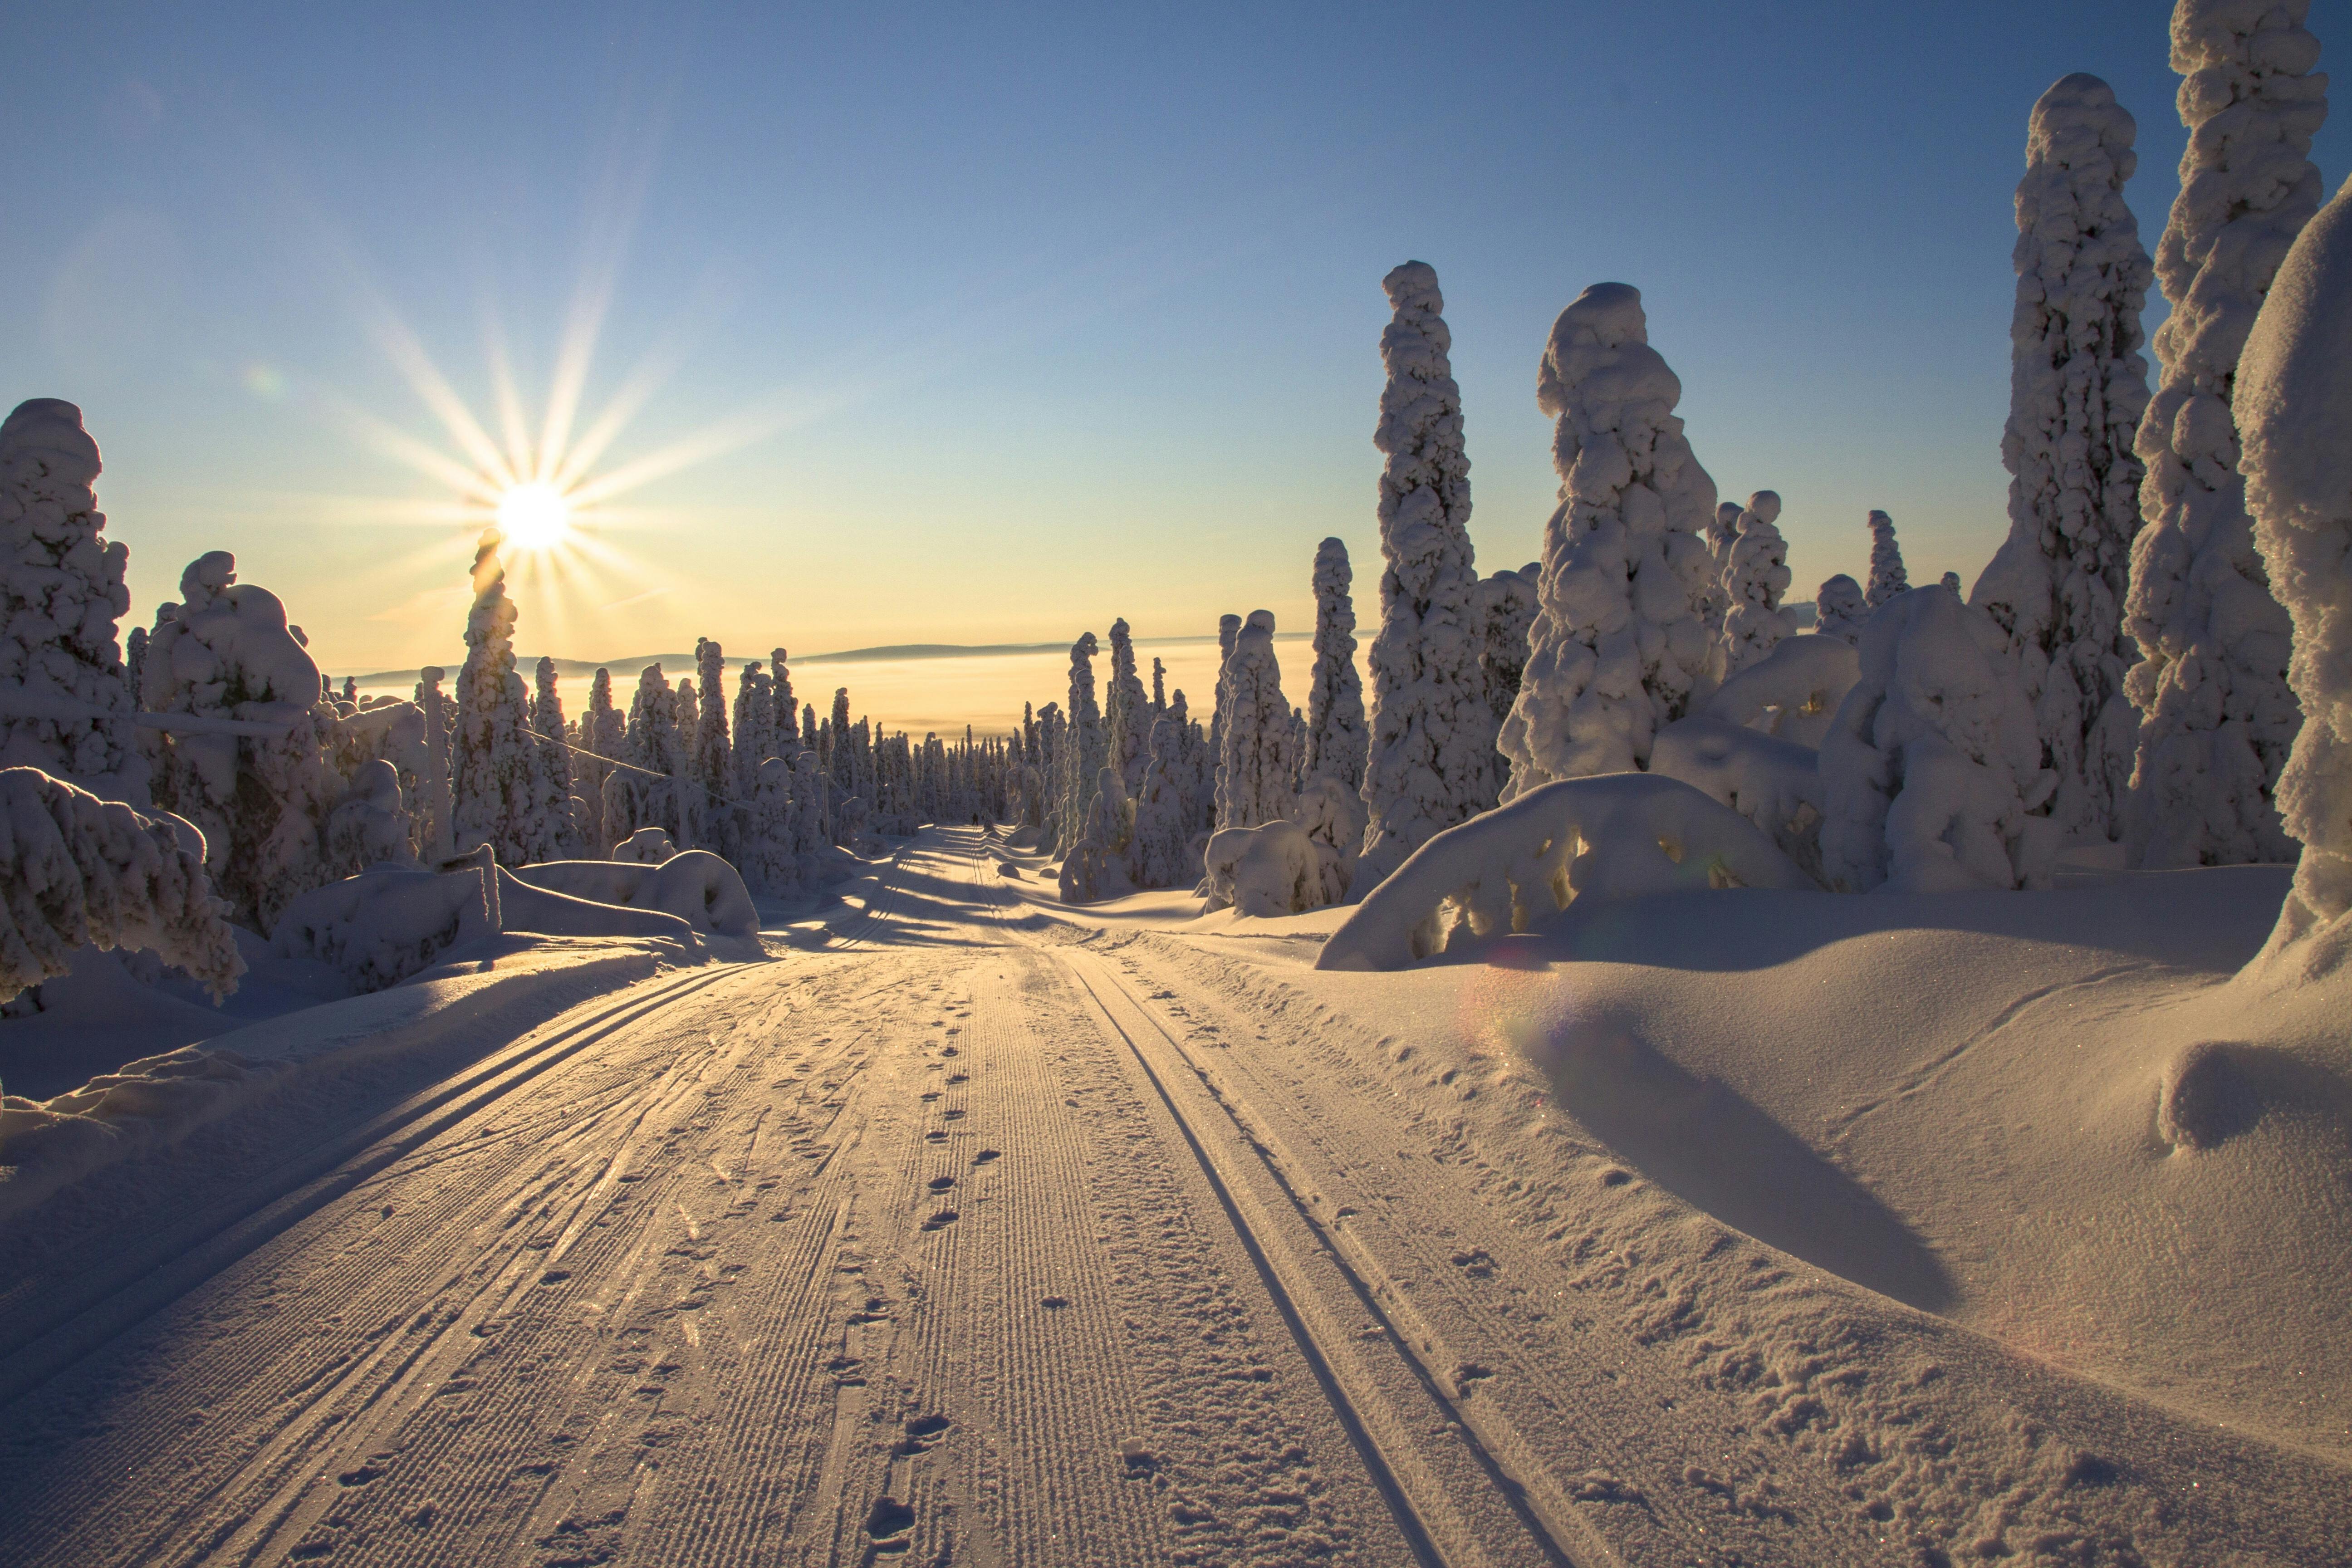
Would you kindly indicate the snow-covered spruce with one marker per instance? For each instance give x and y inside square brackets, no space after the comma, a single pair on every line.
[1620,646]
[435,831]
[1096,866]
[1083,749]
[1839,609]
[1722,537]
[1157,847]
[1793,692]
[2077,386]
[1127,719]
[1616,837]
[1428,767]
[644,794]
[753,736]
[1931,775]
[1507,602]
[788,729]
[1887,577]
[499,782]
[1755,579]
[2217,716]
[78,871]
[1254,774]
[771,856]
[246,758]
[2294,409]
[547,726]
[1336,740]
[66,705]
[370,827]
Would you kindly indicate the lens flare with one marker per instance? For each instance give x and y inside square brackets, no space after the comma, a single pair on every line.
[534,516]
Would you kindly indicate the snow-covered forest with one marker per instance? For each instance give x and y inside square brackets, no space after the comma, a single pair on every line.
[1625,1057]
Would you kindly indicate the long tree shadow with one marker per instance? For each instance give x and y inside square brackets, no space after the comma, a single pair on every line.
[1709,1146]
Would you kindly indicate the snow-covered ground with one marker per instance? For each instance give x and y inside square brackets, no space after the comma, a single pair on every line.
[1705,1226]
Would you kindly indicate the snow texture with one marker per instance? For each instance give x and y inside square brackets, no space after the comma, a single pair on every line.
[1620,646]
[1755,579]
[65,704]
[1887,577]
[2078,389]
[1336,740]
[1932,775]
[1614,836]
[502,793]
[1428,767]
[251,769]
[1839,610]
[1255,774]
[2217,715]
[78,871]
[2295,410]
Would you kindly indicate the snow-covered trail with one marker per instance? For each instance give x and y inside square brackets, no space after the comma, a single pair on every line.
[938,1247]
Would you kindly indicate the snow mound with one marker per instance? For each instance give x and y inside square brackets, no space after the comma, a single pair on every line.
[387,923]
[1274,868]
[45,1144]
[1609,836]
[1774,782]
[77,872]
[695,884]
[645,846]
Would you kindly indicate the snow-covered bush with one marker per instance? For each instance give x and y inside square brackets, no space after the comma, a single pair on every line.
[645,846]
[78,871]
[389,922]
[1612,837]
[1336,740]
[1887,577]
[66,706]
[2077,388]
[1256,774]
[1620,646]
[1774,782]
[2217,716]
[1840,609]
[1095,866]
[499,785]
[2295,408]
[695,884]
[1793,692]
[1274,868]
[1429,764]
[1754,582]
[1931,775]
[244,751]
[370,827]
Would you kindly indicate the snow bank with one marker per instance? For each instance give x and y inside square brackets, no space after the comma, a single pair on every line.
[1612,835]
[77,872]
[2295,408]
[1932,772]
[1620,646]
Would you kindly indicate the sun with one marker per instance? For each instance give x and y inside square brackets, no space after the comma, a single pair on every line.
[534,516]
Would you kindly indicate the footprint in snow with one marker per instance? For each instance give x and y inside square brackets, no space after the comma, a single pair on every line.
[942,1220]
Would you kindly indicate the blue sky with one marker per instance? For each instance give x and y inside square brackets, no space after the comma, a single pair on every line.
[1007,321]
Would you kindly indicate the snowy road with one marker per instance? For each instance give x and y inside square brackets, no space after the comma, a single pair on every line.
[940,1246]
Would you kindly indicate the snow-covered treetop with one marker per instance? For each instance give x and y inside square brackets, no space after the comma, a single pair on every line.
[1754,580]
[226,643]
[1887,577]
[1839,609]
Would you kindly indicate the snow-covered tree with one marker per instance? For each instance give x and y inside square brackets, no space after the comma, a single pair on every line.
[2217,716]
[1229,629]
[1839,610]
[2077,388]
[1753,584]
[2295,411]
[1931,775]
[246,760]
[645,793]
[370,827]
[78,871]
[754,737]
[1127,722]
[1337,739]
[1159,851]
[555,754]
[713,754]
[1887,577]
[499,785]
[1428,765]
[1722,536]
[770,858]
[1620,646]
[1159,688]
[435,831]
[61,597]
[1507,602]
[1255,775]
[603,735]
[1084,748]
[788,729]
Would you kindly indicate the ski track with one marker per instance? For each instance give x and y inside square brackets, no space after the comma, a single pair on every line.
[980,1237]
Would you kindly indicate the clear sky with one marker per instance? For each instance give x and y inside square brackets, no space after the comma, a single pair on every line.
[977,324]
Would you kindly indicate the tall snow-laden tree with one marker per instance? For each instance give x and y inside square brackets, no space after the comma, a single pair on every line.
[1084,747]
[248,762]
[1229,629]
[754,738]
[1256,777]
[1428,765]
[555,753]
[1336,740]
[1839,610]
[435,831]
[1127,722]
[1159,688]
[1507,609]
[714,769]
[845,767]
[787,723]
[1157,851]
[1887,577]
[1620,646]
[2295,410]
[1753,583]
[70,707]
[1722,537]
[603,735]
[2217,715]
[2077,387]
[499,783]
